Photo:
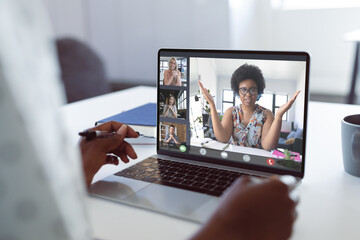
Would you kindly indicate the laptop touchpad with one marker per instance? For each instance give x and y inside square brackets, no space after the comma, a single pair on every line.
[172,201]
[116,188]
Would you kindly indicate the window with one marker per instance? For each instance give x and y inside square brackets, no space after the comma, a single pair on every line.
[183,67]
[273,102]
[164,64]
[182,100]
[227,100]
[267,101]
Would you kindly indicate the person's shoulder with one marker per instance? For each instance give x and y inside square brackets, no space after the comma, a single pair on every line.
[236,107]
[266,112]
[263,109]
[229,110]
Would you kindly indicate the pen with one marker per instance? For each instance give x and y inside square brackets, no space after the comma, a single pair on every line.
[226,146]
[92,134]
[205,142]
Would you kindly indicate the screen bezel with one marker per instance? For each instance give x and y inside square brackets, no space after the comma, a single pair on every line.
[272,55]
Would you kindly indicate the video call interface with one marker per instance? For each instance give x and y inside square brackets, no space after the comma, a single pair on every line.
[223,107]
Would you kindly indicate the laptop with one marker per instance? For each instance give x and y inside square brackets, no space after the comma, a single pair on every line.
[194,165]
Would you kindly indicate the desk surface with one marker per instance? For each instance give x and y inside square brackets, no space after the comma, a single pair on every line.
[329,198]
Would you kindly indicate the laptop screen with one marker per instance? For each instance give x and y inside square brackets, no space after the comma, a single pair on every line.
[245,109]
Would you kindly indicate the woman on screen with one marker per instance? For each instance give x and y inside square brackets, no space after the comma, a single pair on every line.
[170,109]
[249,124]
[172,76]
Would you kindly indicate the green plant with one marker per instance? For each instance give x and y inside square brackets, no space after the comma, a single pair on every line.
[290,164]
[288,155]
[198,119]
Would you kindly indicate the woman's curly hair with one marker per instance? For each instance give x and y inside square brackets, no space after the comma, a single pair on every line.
[248,71]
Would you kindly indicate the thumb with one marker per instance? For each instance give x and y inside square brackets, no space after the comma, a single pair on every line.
[122,131]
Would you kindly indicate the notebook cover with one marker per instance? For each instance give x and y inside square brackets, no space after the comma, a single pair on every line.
[144,115]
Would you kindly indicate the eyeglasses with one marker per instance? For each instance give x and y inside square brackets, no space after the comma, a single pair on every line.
[244,91]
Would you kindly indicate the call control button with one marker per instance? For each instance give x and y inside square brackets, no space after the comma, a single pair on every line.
[202,151]
[246,158]
[224,154]
[270,161]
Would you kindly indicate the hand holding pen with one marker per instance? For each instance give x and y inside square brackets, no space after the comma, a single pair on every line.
[103,144]
[92,134]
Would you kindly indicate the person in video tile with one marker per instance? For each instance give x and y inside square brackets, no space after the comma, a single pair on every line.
[249,124]
[170,109]
[172,76]
[171,138]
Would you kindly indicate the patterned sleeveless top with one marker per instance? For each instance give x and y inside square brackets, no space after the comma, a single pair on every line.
[250,135]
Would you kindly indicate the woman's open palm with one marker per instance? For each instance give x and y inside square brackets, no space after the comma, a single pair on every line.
[206,94]
[284,108]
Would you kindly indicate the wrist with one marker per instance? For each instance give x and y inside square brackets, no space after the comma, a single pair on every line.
[278,117]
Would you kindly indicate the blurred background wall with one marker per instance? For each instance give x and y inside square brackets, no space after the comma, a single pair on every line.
[127,34]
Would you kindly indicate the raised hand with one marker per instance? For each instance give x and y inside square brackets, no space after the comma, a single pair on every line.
[206,94]
[284,108]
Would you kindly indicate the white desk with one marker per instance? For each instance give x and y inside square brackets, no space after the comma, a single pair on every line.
[329,205]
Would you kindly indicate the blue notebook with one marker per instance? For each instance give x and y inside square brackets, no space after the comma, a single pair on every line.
[142,119]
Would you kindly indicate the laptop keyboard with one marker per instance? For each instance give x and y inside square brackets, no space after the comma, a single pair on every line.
[186,176]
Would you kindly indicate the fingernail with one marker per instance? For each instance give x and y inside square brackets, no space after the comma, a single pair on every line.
[121,129]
